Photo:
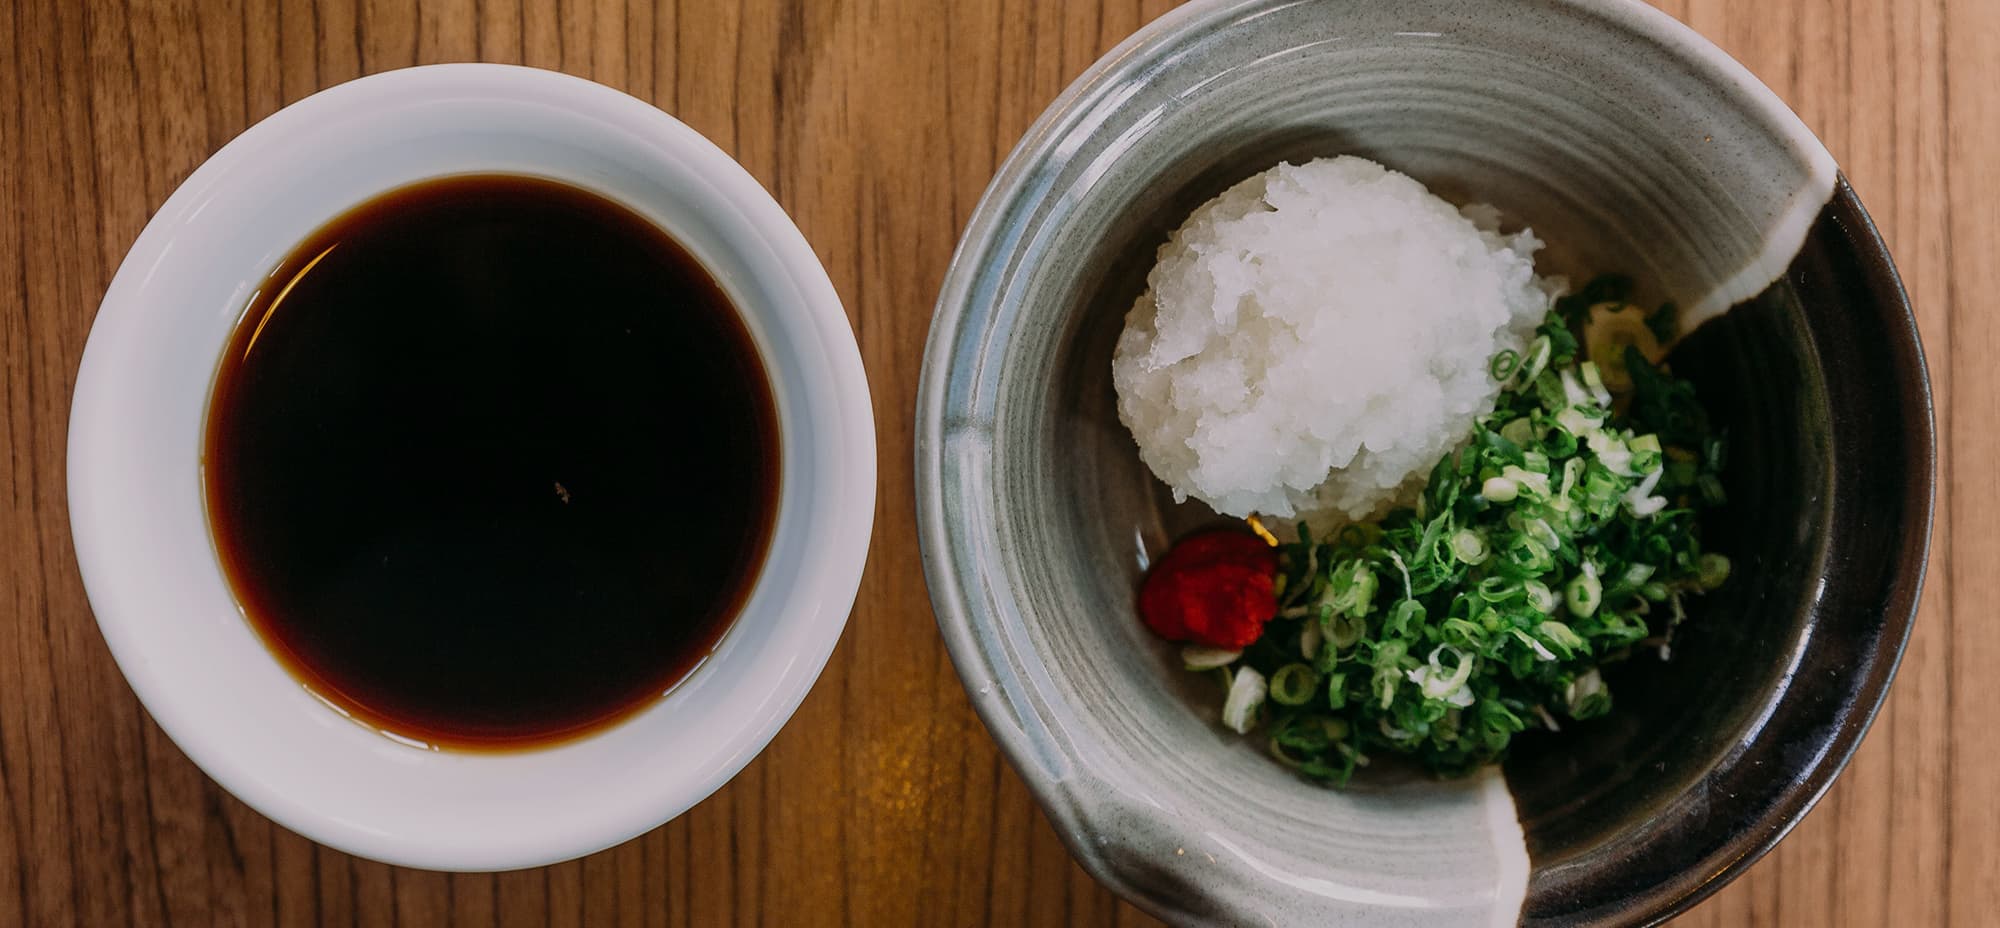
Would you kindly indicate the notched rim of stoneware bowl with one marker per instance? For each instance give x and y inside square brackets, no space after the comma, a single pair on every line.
[965,602]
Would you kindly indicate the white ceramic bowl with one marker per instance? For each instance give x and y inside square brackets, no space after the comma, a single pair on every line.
[141,531]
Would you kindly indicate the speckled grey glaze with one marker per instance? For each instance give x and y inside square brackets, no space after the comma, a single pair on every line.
[1629,144]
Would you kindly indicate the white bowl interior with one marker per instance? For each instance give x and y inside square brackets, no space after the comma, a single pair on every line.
[141,531]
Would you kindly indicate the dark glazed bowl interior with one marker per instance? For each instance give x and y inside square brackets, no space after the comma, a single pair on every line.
[1715,754]
[1631,146]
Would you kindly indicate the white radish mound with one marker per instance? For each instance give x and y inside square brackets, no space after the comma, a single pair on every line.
[1315,339]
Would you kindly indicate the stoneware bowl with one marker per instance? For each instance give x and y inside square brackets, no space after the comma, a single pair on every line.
[141,532]
[1630,144]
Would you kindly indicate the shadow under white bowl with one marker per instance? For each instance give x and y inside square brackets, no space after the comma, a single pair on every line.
[141,532]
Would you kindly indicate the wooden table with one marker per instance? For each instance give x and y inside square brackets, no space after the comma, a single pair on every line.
[877,123]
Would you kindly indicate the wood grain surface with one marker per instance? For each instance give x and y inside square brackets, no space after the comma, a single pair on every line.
[876,123]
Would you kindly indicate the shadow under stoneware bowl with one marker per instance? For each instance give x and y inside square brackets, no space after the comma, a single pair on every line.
[1631,145]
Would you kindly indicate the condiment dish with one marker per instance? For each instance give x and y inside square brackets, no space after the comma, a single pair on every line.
[135,487]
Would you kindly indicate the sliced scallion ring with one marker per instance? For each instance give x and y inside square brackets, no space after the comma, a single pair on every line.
[1197,657]
[1246,696]
[1294,685]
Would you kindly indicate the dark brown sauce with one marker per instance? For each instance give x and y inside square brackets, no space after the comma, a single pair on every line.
[491,461]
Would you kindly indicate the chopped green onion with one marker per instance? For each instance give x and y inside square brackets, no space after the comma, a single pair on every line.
[1343,630]
[1310,639]
[1468,547]
[1711,571]
[1352,588]
[1403,616]
[1535,485]
[1540,597]
[1196,657]
[1435,682]
[1541,650]
[1594,382]
[1540,530]
[1640,500]
[1572,469]
[1560,638]
[1613,454]
[1573,392]
[1576,422]
[1497,589]
[1587,696]
[1294,685]
[1584,592]
[1403,569]
[1538,358]
[1246,696]
[1529,555]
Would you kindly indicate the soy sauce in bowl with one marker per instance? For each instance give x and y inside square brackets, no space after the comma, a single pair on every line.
[491,461]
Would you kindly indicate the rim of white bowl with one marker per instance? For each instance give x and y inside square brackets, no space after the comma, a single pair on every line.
[782,678]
